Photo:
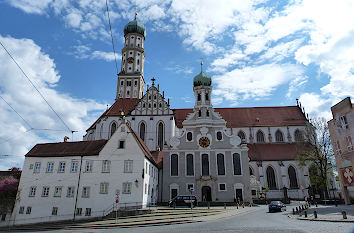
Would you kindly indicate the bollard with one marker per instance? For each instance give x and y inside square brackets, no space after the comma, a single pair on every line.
[316,204]
[305,214]
[344,214]
[315,214]
[297,210]
[243,205]
[303,207]
[237,206]
[225,206]
[208,205]
[293,211]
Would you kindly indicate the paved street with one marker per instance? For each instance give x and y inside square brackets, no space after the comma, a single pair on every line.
[256,221]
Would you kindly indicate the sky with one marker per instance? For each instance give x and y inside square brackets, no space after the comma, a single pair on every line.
[258,53]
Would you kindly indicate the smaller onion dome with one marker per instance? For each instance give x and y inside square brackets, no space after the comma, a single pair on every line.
[202,79]
[135,27]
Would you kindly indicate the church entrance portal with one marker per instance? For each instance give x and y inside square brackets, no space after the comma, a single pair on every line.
[206,193]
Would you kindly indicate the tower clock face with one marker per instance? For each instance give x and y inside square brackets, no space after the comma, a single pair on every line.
[204,142]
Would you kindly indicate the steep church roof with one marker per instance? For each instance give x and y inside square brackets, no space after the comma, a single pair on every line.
[125,105]
[253,116]
[272,152]
[80,148]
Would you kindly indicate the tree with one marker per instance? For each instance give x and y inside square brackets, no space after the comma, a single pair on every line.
[8,190]
[316,151]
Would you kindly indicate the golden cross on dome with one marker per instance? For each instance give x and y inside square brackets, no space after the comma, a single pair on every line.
[153,81]
[201,63]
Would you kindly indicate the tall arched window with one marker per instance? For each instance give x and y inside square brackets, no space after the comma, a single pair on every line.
[160,135]
[113,128]
[237,163]
[279,136]
[260,136]
[174,165]
[251,172]
[205,165]
[242,135]
[292,177]
[272,184]
[190,165]
[199,97]
[142,131]
[298,136]
[221,164]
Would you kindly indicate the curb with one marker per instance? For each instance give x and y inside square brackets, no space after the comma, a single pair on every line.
[321,220]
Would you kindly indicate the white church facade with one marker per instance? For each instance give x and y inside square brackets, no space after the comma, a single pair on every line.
[212,153]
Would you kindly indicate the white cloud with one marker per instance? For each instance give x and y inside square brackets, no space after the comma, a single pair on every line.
[31,6]
[254,82]
[85,52]
[16,90]
[107,56]
[316,106]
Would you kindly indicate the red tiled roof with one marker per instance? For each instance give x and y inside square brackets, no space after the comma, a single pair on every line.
[280,151]
[253,116]
[125,105]
[80,148]
[143,146]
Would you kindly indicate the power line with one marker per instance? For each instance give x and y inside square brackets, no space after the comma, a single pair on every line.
[110,28]
[16,112]
[35,87]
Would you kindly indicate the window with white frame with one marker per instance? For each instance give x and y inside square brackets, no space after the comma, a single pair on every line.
[174,165]
[37,167]
[85,192]
[74,166]
[70,191]
[121,144]
[220,161]
[128,166]
[32,192]
[104,188]
[88,167]
[205,165]
[57,191]
[61,167]
[127,187]
[219,135]
[55,211]
[190,164]
[28,210]
[106,166]
[88,212]
[45,191]
[21,210]
[145,188]
[222,187]
[189,136]
[50,167]
[344,122]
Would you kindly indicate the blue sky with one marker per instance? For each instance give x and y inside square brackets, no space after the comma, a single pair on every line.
[258,52]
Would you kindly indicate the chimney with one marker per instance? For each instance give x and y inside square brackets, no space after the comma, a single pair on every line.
[66,138]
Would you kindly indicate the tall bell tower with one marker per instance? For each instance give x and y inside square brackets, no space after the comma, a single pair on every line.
[131,77]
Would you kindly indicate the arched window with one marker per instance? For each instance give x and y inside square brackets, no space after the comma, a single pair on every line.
[160,135]
[271,178]
[199,113]
[242,135]
[174,165]
[279,136]
[207,96]
[113,128]
[219,136]
[199,97]
[292,177]
[205,165]
[260,136]
[251,172]
[221,164]
[142,131]
[237,163]
[298,136]
[189,136]
[190,165]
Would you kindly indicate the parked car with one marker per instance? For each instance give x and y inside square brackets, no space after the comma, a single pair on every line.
[183,200]
[276,206]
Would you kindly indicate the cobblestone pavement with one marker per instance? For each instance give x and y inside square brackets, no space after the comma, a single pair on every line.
[258,220]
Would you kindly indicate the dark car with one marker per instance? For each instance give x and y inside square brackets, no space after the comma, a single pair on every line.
[183,200]
[277,206]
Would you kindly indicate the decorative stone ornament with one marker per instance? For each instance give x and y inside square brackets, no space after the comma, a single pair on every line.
[174,142]
[235,140]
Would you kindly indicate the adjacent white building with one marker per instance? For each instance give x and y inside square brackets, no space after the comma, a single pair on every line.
[74,180]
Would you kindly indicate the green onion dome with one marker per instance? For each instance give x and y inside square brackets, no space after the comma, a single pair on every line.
[202,79]
[135,27]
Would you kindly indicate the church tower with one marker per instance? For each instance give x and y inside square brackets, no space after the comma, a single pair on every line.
[202,92]
[131,77]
